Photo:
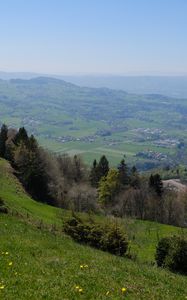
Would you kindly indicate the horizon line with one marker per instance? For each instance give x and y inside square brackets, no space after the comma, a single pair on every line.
[94,74]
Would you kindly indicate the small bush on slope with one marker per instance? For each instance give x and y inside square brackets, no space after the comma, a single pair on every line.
[3,209]
[109,238]
[171,252]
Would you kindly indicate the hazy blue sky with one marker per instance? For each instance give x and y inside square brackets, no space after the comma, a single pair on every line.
[94,36]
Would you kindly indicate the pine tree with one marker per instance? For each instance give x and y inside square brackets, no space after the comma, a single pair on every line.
[94,178]
[103,167]
[151,181]
[31,167]
[21,137]
[123,173]
[32,143]
[156,184]
[134,178]
[99,170]
[3,139]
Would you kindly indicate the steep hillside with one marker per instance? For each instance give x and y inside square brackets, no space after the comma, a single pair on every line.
[19,202]
[38,261]
[143,234]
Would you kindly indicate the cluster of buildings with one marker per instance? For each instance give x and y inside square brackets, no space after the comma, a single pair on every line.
[149,154]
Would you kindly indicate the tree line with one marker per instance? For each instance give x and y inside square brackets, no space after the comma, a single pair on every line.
[66,182]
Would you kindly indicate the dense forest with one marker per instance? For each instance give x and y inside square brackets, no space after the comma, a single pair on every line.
[66,182]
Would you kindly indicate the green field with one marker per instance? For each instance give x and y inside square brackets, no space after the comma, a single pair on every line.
[38,261]
[92,122]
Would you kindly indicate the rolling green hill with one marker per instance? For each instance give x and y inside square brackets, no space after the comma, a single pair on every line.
[38,261]
[149,129]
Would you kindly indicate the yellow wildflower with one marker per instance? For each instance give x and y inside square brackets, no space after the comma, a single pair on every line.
[2,287]
[123,290]
[10,263]
[80,290]
[77,287]
[83,266]
[107,293]
[6,253]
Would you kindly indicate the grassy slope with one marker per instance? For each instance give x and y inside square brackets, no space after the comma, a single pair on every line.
[47,266]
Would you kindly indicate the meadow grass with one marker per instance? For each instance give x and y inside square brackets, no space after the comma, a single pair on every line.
[40,265]
[38,262]
[144,235]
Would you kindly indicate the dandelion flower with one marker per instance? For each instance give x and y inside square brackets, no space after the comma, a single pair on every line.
[10,263]
[2,287]
[83,266]
[77,287]
[123,290]
[6,253]
[80,290]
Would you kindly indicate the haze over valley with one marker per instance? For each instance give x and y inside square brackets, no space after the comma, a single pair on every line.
[150,129]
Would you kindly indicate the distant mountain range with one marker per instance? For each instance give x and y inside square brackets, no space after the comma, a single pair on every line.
[175,86]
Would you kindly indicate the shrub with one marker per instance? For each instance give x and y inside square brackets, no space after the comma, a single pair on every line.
[95,236]
[171,252]
[115,241]
[76,229]
[1,202]
[3,209]
[109,238]
[162,251]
